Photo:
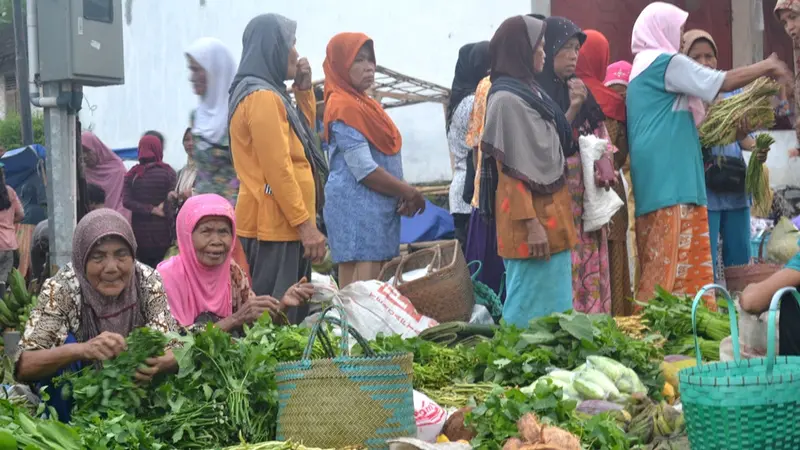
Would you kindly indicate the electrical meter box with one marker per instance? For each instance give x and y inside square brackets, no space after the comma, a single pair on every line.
[80,41]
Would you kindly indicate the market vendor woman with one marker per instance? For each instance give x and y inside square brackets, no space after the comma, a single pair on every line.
[88,308]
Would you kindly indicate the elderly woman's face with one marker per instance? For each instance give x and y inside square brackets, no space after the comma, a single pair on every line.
[88,158]
[291,67]
[620,89]
[198,76]
[212,239]
[539,57]
[566,58]
[703,52]
[362,72]
[791,23]
[109,266]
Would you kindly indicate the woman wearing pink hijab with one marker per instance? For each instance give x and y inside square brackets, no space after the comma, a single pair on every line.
[665,104]
[105,169]
[617,76]
[203,283]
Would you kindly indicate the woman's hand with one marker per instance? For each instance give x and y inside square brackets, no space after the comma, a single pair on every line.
[105,346]
[743,129]
[412,203]
[297,295]
[577,92]
[302,78]
[154,366]
[158,211]
[537,240]
[778,69]
[761,155]
[255,307]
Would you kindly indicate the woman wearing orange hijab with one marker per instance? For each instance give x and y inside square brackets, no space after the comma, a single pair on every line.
[593,61]
[365,194]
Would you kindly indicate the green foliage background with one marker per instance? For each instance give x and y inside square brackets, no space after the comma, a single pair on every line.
[11,130]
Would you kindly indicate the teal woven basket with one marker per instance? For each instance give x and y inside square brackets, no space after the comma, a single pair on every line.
[345,401]
[745,404]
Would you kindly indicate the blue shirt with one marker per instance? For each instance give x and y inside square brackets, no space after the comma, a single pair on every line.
[666,159]
[727,201]
[363,225]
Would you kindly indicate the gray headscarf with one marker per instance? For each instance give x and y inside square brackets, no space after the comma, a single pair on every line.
[266,43]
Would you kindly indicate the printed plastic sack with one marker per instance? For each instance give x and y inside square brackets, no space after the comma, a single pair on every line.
[599,204]
[782,245]
[378,308]
[430,417]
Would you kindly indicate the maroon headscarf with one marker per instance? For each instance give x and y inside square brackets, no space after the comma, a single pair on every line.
[108,173]
[151,154]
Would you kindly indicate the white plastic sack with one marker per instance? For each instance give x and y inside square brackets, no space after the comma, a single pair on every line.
[325,288]
[430,417]
[599,204]
[376,308]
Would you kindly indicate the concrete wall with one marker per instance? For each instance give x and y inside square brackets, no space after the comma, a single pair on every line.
[2,97]
[419,38]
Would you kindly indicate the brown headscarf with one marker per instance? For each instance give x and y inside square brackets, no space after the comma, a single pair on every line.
[356,109]
[99,313]
[692,36]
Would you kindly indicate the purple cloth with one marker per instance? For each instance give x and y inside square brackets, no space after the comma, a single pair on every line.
[796,222]
[482,246]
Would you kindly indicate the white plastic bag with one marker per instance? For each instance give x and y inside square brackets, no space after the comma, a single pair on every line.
[376,308]
[412,275]
[480,316]
[430,417]
[325,288]
[599,204]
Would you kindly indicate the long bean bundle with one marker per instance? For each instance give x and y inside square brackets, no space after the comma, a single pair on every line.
[754,105]
[756,183]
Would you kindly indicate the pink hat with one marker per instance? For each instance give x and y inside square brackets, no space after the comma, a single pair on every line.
[618,73]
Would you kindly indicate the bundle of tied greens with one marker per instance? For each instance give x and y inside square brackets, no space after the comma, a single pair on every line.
[754,106]
[756,182]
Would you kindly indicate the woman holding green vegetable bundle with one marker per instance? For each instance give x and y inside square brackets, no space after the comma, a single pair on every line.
[88,308]
[665,104]
[728,203]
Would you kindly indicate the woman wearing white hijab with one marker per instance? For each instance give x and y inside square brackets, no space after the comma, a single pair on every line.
[212,70]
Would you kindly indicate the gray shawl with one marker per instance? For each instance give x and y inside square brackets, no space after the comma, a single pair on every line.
[266,43]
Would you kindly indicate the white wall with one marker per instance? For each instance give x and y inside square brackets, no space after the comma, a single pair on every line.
[419,38]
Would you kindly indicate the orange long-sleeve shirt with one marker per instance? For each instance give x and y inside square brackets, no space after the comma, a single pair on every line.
[277,191]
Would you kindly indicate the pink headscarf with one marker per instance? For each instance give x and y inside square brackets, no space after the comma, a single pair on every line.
[618,73]
[658,31]
[109,173]
[191,287]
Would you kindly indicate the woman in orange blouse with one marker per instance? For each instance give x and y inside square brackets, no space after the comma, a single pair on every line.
[523,176]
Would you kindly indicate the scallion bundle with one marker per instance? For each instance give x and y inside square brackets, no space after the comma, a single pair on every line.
[756,183]
[754,106]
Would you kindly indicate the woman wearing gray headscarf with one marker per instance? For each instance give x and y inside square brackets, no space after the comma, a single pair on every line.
[281,171]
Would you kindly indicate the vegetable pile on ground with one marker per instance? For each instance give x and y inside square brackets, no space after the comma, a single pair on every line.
[753,105]
[756,182]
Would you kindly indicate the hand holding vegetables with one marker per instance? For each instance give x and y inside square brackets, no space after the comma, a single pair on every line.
[156,365]
[103,347]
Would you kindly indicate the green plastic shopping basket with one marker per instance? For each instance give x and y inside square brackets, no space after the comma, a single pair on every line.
[744,404]
[343,401]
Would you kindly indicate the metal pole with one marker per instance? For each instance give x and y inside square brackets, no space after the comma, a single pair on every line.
[21,51]
[62,183]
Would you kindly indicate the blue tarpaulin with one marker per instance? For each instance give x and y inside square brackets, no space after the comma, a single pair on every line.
[435,224]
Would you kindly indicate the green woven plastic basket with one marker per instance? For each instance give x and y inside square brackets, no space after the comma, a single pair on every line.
[745,404]
[345,401]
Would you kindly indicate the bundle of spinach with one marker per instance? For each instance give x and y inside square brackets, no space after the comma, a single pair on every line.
[516,357]
[495,420]
[113,387]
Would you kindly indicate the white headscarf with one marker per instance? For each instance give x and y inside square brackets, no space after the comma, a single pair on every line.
[211,116]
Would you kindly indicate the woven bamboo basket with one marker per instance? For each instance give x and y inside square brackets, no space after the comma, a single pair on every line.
[739,277]
[345,401]
[746,403]
[446,293]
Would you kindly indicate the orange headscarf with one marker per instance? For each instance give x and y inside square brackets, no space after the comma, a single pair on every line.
[343,102]
[593,61]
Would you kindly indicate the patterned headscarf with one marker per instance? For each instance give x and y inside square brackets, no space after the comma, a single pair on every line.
[118,315]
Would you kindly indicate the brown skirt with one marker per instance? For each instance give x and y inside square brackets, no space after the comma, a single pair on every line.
[621,292]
